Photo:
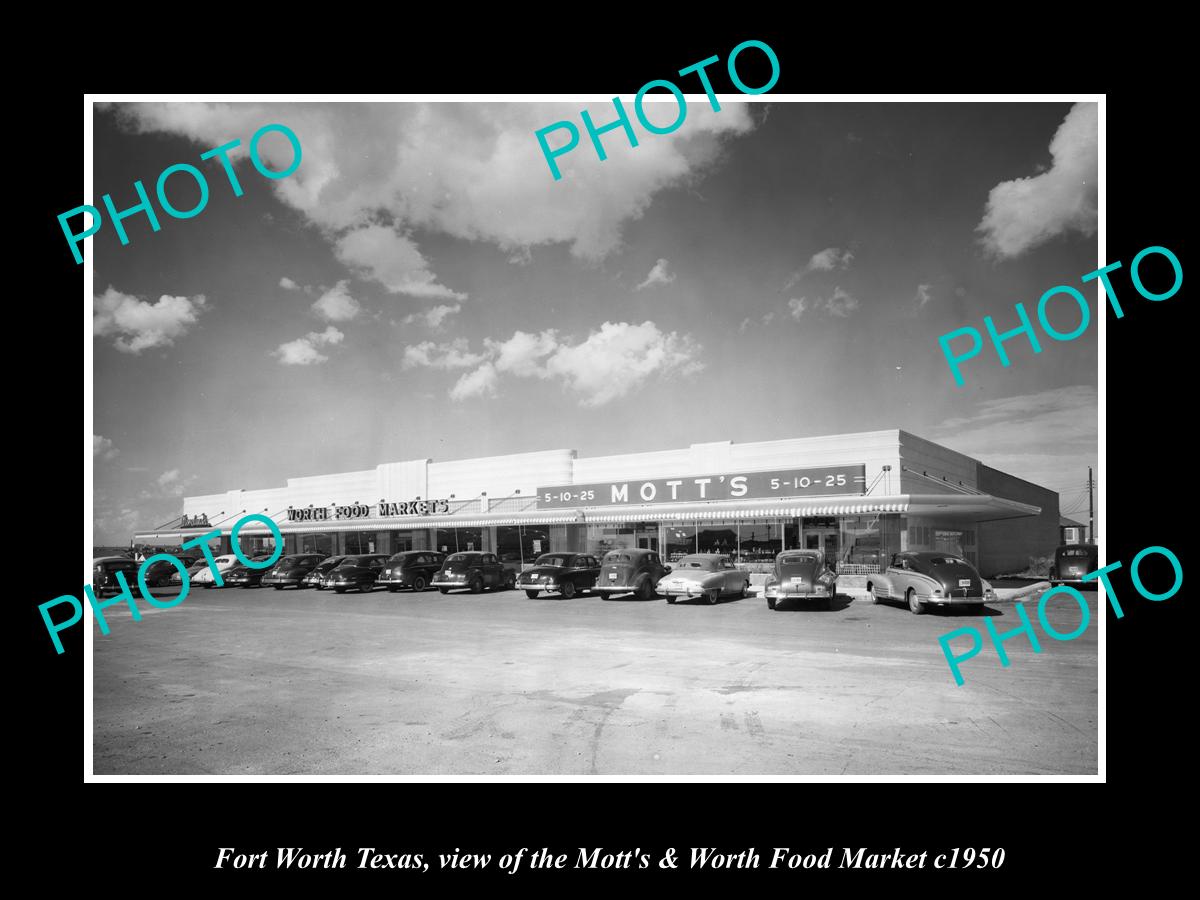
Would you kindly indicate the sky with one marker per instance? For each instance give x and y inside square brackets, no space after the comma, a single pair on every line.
[422,287]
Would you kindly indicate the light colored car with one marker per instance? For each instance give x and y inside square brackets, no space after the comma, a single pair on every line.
[800,575]
[223,564]
[921,578]
[707,576]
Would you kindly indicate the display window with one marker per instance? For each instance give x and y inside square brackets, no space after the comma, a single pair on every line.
[522,543]
[316,543]
[455,540]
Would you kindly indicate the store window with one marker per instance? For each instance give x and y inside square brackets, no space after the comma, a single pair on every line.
[399,541]
[454,540]
[599,539]
[256,545]
[866,543]
[360,542]
[522,543]
[316,543]
[760,540]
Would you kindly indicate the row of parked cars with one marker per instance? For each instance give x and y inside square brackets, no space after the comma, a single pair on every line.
[918,579]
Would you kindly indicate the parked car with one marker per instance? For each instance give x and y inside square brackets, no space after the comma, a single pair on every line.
[626,570]
[356,572]
[291,570]
[412,569]
[223,564]
[104,574]
[163,572]
[707,576]
[800,575]
[922,577]
[1072,562]
[474,571]
[564,574]
[316,578]
[244,576]
[192,569]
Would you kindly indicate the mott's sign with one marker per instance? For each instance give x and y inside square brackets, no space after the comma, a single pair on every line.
[749,485]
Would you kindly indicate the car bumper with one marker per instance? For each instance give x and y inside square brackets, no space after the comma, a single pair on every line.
[803,591]
[437,582]
[399,580]
[283,579]
[693,590]
[958,601]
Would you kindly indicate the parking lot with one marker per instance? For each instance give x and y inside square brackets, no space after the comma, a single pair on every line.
[241,682]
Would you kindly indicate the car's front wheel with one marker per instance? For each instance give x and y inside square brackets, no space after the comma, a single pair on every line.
[670,599]
[532,595]
[770,603]
[915,606]
[714,596]
[418,583]
[444,590]
[645,591]
[745,591]
[476,585]
[605,595]
[567,590]
[871,592]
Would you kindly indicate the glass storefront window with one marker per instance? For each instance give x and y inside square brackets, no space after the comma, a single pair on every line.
[522,543]
[360,542]
[399,541]
[316,543]
[453,540]
[599,539]
[255,545]
[866,543]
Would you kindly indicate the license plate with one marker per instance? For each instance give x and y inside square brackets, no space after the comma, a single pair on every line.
[612,576]
[535,576]
[964,582]
[796,579]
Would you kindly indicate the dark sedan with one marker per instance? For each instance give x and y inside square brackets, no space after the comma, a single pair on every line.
[291,570]
[243,576]
[474,571]
[104,574]
[160,572]
[411,569]
[801,575]
[316,578]
[636,570]
[356,573]
[560,573]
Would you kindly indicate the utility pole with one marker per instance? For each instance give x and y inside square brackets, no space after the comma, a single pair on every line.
[1091,513]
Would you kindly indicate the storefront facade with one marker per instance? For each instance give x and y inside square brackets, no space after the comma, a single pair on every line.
[856,497]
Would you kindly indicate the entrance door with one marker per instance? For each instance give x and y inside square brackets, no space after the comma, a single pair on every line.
[823,534]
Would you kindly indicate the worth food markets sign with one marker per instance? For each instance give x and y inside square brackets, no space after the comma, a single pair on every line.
[682,489]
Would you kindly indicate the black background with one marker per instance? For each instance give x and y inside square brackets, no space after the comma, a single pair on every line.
[1052,832]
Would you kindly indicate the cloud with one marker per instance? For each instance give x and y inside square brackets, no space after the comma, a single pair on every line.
[168,478]
[432,318]
[829,259]
[840,303]
[924,295]
[384,255]
[660,274]
[303,351]
[1026,212]
[612,361]
[455,354]
[480,383]
[102,448]
[138,325]
[797,306]
[1048,437]
[288,284]
[522,257]
[766,319]
[336,304]
[471,171]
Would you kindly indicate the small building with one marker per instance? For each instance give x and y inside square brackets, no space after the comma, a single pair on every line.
[857,497]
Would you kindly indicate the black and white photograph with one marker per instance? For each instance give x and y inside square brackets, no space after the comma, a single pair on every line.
[719,433]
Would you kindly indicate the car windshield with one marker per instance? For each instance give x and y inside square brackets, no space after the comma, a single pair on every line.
[553,559]
[794,558]
[617,557]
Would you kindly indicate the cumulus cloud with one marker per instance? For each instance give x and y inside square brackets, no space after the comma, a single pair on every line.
[455,354]
[829,259]
[1026,212]
[472,171]
[480,383]
[288,284]
[660,274]
[840,303]
[924,295]
[137,325]
[303,351]
[168,478]
[797,306]
[102,448]
[383,254]
[609,363]
[433,318]
[336,304]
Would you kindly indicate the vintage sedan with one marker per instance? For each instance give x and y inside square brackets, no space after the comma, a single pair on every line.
[192,569]
[922,578]
[412,569]
[222,563]
[706,576]
[244,576]
[473,571]
[1072,562]
[291,570]
[104,574]
[162,572]
[564,574]
[800,575]
[630,570]
[316,578]
[356,573]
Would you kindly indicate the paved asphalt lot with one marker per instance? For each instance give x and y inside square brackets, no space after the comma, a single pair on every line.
[242,681]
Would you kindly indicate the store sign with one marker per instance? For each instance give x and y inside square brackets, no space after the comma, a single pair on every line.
[749,485]
[200,521]
[415,508]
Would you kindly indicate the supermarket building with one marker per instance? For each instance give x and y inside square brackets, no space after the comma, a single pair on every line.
[857,497]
